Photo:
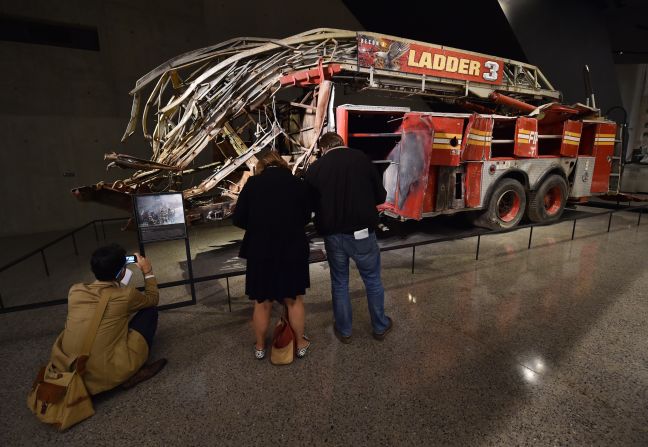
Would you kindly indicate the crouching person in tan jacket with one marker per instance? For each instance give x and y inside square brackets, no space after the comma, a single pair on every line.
[121,347]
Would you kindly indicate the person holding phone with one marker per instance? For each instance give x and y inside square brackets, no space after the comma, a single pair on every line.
[122,344]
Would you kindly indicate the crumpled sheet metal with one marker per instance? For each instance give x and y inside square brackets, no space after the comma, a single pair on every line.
[195,95]
[224,81]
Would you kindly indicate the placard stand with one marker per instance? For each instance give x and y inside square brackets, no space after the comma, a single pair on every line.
[160,217]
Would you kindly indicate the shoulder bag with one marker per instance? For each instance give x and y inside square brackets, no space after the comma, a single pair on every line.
[60,398]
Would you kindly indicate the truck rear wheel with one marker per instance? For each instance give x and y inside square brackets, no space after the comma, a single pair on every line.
[547,203]
[505,207]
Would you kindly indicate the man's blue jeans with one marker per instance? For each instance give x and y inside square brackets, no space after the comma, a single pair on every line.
[366,254]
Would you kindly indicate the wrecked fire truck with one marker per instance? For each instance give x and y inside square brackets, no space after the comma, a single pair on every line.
[485,133]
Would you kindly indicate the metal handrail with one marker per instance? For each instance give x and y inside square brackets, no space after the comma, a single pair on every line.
[59,239]
[477,233]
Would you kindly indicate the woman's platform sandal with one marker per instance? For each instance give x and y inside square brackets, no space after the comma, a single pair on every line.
[259,354]
[301,352]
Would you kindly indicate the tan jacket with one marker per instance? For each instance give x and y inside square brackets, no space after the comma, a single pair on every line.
[117,352]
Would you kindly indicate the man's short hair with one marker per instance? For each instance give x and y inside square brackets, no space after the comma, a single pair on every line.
[330,140]
[106,262]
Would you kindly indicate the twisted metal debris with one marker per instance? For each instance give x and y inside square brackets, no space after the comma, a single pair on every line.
[229,94]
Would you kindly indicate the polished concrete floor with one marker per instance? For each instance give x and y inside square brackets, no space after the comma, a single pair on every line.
[547,346]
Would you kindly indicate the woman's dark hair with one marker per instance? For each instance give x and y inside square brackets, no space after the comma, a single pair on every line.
[330,140]
[106,262]
[270,158]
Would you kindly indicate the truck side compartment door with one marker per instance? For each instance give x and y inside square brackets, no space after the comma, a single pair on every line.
[407,176]
[526,138]
[446,145]
[604,136]
[476,143]
[476,147]
[571,136]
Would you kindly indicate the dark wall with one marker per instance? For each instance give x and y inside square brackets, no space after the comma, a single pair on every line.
[67,68]
[561,37]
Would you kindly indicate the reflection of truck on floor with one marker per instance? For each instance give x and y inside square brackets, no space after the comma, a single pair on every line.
[509,167]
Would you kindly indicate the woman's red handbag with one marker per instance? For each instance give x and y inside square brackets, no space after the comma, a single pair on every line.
[282,351]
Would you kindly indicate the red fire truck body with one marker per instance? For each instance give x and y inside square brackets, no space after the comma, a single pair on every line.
[442,163]
[496,137]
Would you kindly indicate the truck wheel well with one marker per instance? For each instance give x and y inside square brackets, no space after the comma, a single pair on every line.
[520,176]
[516,174]
[553,171]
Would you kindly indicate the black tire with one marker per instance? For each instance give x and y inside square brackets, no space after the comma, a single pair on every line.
[506,206]
[547,203]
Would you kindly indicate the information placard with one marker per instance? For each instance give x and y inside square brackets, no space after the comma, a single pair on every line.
[160,217]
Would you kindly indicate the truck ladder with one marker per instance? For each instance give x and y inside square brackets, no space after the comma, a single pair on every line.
[614,184]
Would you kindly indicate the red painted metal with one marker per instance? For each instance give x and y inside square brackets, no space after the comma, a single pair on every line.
[473,183]
[414,166]
[476,142]
[400,55]
[526,138]
[571,135]
[446,144]
[557,113]
[342,123]
[553,201]
[473,107]
[511,102]
[604,136]
[508,206]
[311,77]
[431,191]
[374,134]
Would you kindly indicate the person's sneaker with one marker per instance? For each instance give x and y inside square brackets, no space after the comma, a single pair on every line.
[346,339]
[381,336]
[145,373]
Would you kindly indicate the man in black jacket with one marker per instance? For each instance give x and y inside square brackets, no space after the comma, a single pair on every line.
[346,189]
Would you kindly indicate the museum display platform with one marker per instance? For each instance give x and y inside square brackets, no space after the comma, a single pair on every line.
[214,250]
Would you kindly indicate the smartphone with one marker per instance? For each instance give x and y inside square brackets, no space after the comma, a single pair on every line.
[131,259]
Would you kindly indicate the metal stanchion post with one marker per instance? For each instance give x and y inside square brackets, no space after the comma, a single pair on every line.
[530,236]
[413,257]
[192,286]
[45,262]
[229,298]
[478,242]
[76,249]
[609,222]
[574,229]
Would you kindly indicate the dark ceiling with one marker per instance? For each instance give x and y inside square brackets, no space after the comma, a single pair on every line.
[470,25]
[627,22]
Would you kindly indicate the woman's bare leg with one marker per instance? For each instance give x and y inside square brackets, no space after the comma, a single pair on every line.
[297,316]
[261,321]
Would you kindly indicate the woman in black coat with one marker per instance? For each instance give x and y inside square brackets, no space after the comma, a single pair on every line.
[273,208]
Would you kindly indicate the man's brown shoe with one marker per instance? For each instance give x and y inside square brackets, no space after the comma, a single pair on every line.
[145,373]
[381,337]
[346,339]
